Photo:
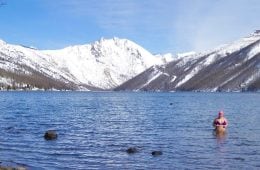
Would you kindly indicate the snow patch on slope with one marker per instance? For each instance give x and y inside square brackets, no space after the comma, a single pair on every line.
[156,73]
[252,78]
[181,55]
[173,78]
[188,76]
[255,50]
[5,81]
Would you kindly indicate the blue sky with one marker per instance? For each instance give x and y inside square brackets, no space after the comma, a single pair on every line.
[159,26]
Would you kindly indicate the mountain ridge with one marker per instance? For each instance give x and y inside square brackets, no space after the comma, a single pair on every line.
[120,64]
[233,67]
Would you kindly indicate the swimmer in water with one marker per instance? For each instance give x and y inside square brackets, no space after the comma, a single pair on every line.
[220,123]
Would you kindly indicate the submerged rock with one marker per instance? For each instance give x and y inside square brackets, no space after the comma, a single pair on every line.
[9,128]
[131,150]
[11,168]
[156,153]
[50,135]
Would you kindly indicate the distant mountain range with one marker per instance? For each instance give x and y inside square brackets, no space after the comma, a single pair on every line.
[120,64]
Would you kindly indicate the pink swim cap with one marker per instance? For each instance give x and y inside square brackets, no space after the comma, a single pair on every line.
[221,113]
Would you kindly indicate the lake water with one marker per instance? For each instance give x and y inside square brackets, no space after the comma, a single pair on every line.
[95,128]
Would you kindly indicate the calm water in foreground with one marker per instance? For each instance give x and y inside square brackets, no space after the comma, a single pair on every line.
[95,129]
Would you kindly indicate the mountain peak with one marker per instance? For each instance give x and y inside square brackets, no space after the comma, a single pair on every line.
[114,40]
[120,43]
[105,63]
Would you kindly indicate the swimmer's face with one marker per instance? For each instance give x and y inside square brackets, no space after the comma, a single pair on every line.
[221,114]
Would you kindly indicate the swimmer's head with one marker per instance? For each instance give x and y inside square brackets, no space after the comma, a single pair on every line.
[220,113]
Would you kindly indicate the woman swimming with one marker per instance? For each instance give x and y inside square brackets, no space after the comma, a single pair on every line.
[220,123]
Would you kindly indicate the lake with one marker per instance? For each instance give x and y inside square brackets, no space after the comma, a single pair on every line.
[96,128]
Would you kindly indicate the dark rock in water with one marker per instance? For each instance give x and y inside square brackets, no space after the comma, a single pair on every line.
[171,103]
[50,135]
[9,128]
[156,153]
[11,168]
[132,150]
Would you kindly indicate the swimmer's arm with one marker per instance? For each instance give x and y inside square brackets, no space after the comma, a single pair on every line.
[213,124]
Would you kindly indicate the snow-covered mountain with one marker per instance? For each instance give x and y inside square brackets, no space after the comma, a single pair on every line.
[104,64]
[233,67]
[121,64]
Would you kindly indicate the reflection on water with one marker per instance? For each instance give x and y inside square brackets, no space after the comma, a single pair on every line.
[95,129]
[221,146]
[220,136]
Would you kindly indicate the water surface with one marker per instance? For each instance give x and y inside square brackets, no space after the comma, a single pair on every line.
[95,128]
